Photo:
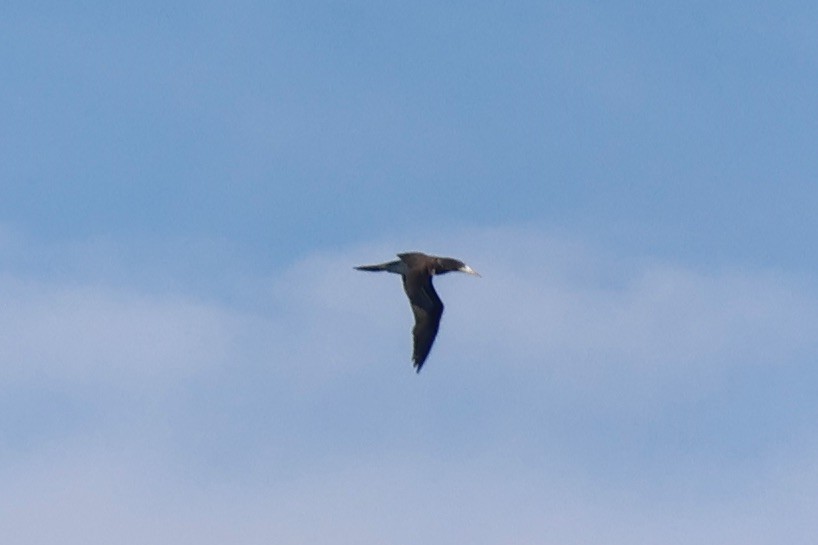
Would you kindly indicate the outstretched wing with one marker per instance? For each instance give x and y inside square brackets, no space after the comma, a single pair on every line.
[427,308]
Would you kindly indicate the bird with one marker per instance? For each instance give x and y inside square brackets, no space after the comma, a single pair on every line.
[417,270]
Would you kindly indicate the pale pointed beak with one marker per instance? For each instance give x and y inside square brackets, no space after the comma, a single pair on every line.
[468,270]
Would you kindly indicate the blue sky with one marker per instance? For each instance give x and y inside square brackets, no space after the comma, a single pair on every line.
[187,355]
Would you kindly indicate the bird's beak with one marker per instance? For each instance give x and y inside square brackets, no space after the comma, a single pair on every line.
[468,270]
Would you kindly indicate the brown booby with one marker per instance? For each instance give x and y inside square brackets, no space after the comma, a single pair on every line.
[417,270]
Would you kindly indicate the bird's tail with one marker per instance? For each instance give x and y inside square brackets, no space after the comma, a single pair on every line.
[390,266]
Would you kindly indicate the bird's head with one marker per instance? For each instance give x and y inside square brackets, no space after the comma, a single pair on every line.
[447,264]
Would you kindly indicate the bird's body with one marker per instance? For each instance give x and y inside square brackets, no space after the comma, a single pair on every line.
[417,270]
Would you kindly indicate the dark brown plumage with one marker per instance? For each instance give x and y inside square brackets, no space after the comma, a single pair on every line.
[417,270]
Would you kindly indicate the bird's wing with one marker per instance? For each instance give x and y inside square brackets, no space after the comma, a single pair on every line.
[427,308]
[413,260]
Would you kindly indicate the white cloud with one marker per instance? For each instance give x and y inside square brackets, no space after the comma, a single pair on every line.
[551,308]
[93,494]
[547,413]
[102,335]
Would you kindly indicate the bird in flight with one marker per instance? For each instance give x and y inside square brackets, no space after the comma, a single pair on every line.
[417,270]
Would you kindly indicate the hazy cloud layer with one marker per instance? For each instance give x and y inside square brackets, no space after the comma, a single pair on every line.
[573,396]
